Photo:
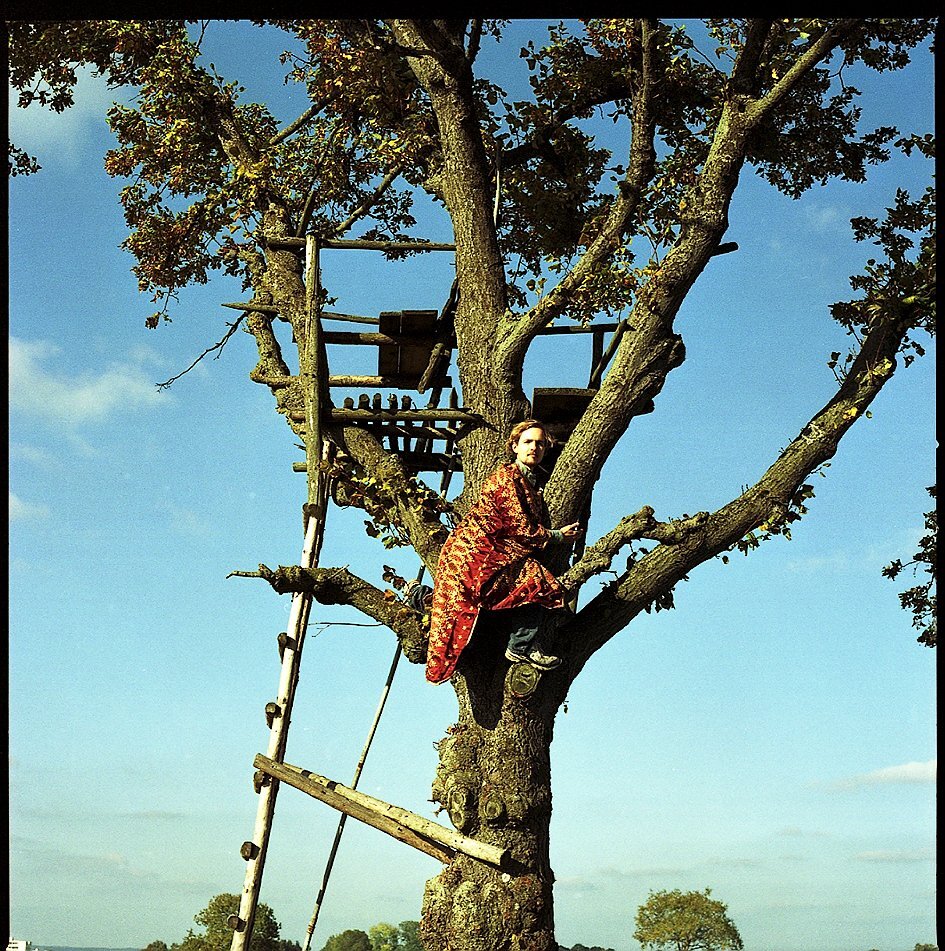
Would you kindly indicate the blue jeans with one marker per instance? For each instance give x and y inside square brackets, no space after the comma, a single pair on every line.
[522,623]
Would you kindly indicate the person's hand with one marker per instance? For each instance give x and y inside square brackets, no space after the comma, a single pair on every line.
[572,531]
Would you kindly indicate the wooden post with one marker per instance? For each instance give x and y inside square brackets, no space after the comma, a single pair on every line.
[291,657]
[598,371]
[312,372]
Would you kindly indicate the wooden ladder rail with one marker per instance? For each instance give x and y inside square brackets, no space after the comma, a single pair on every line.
[314,372]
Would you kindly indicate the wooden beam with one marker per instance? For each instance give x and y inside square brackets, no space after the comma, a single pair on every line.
[357,244]
[364,245]
[579,329]
[349,318]
[324,792]
[402,824]
[353,337]
[396,381]
[394,416]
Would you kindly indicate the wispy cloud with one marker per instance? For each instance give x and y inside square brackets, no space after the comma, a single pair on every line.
[185,521]
[21,510]
[795,832]
[896,856]
[825,217]
[38,391]
[33,454]
[912,773]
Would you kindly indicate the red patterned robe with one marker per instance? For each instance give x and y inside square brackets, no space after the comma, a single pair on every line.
[488,562]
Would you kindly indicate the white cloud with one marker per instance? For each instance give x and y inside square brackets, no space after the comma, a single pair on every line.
[19,509]
[39,391]
[912,773]
[33,454]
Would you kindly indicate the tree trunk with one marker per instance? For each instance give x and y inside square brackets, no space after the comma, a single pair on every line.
[494,780]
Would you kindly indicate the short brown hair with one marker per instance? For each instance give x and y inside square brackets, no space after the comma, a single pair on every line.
[520,428]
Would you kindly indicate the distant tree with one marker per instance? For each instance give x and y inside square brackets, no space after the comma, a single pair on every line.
[686,921]
[583,947]
[385,937]
[351,940]
[286,945]
[410,936]
[921,598]
[156,946]
[218,936]
[926,947]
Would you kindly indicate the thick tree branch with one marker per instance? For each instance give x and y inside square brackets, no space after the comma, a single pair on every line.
[745,72]
[424,529]
[765,503]
[649,351]
[816,53]
[597,557]
[340,586]
[467,191]
[639,172]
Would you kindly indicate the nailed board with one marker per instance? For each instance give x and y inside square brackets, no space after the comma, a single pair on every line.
[559,408]
[407,360]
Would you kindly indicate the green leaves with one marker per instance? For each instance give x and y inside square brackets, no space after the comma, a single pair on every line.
[685,920]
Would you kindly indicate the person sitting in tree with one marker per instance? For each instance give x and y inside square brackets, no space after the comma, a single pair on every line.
[491,562]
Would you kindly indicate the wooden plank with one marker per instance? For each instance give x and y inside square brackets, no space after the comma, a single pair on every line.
[357,244]
[560,404]
[372,811]
[337,415]
[349,318]
[319,788]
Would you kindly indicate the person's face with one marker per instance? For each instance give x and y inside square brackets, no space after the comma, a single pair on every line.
[530,447]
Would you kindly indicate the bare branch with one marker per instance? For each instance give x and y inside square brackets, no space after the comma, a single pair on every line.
[310,113]
[340,586]
[370,201]
[219,345]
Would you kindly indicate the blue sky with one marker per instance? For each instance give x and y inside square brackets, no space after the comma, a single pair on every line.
[772,738]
